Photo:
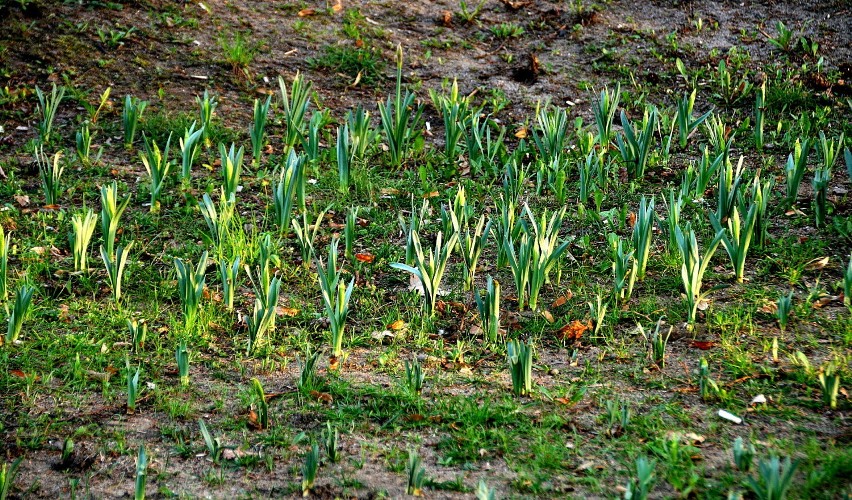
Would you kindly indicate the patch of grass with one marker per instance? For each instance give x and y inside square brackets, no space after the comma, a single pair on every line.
[364,64]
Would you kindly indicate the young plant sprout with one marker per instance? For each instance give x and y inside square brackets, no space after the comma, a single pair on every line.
[414,376]
[23,299]
[429,271]
[262,404]
[520,366]
[47,106]
[83,228]
[115,265]
[310,468]
[190,287]
[182,357]
[5,244]
[488,305]
[111,211]
[743,455]
[295,106]
[258,130]
[400,118]
[157,165]
[416,474]
[785,305]
[206,107]
[232,166]
[51,175]
[291,179]
[130,116]
[141,474]
[190,149]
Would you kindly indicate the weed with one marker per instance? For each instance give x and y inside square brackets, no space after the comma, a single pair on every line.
[238,52]
[361,64]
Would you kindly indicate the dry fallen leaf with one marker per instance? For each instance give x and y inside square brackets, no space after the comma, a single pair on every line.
[431,194]
[768,307]
[447,18]
[547,316]
[288,311]
[631,219]
[563,299]
[365,257]
[338,6]
[322,397]
[521,133]
[704,345]
[816,264]
[389,191]
[23,200]
[397,325]
[574,330]
[307,12]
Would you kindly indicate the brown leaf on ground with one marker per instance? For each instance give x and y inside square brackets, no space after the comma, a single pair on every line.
[322,397]
[288,311]
[574,330]
[365,257]
[563,299]
[704,345]
[307,12]
[397,325]
[447,18]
